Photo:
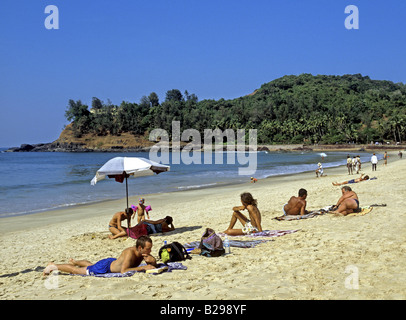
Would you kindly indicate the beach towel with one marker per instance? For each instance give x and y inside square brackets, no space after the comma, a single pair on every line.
[311,214]
[265,233]
[169,267]
[233,243]
[364,211]
[137,231]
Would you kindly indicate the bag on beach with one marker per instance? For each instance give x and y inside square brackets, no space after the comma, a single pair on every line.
[211,244]
[173,252]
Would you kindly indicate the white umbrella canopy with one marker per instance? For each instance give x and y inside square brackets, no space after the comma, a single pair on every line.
[130,166]
[121,168]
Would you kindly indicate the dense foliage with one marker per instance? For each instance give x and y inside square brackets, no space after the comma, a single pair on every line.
[291,109]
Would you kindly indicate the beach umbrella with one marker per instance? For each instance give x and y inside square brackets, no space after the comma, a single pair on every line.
[121,168]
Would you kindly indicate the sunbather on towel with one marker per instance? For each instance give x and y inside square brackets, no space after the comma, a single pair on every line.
[161,225]
[348,202]
[361,178]
[251,225]
[129,260]
[296,205]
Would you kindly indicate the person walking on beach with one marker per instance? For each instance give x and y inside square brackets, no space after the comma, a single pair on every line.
[374,161]
[349,164]
[385,159]
[358,164]
[296,205]
[348,202]
[115,226]
[129,260]
[354,163]
[251,225]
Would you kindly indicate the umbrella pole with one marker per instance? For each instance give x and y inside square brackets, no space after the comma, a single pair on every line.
[126,193]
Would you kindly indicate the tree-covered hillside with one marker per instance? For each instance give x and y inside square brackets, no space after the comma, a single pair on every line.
[291,109]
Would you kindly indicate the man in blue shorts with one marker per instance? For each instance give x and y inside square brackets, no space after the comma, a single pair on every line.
[129,260]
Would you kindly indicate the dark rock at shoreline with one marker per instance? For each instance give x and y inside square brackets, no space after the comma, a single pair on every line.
[70,147]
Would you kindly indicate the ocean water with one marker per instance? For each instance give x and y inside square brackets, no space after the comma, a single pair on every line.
[31,182]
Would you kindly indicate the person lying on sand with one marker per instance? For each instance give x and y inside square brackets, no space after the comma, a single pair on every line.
[296,205]
[361,178]
[251,225]
[348,202]
[115,223]
[129,260]
[161,225]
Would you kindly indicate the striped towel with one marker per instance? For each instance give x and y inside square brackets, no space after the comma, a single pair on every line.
[266,233]
[233,243]
[170,265]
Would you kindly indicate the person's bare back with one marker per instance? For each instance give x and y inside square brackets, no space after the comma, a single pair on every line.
[117,218]
[255,216]
[296,205]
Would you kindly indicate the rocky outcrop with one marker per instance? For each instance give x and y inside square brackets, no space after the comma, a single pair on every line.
[71,147]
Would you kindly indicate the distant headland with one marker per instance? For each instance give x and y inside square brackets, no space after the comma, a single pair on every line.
[304,112]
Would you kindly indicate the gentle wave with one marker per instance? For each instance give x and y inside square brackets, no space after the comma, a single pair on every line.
[197,186]
[48,181]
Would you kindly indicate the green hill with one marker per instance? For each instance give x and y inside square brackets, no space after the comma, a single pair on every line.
[291,109]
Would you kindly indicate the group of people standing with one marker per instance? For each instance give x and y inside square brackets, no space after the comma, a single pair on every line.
[353,164]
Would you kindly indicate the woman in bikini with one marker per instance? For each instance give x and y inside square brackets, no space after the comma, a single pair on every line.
[251,225]
[348,203]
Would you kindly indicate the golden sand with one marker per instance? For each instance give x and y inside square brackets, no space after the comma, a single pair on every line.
[353,257]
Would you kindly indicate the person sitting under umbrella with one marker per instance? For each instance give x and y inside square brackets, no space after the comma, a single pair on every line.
[115,226]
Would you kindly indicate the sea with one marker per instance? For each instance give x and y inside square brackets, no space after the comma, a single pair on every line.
[32,182]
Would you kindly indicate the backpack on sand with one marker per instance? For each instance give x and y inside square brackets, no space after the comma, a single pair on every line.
[211,244]
[173,252]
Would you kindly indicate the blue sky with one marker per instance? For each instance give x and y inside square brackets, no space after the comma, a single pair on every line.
[122,50]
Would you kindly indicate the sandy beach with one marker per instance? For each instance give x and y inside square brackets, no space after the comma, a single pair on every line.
[329,257]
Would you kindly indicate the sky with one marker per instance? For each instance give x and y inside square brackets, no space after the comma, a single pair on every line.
[123,50]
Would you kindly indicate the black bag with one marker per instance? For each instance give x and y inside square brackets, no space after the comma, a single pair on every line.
[211,244]
[173,252]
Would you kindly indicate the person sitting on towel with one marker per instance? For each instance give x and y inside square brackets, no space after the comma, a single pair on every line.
[296,205]
[251,225]
[129,260]
[348,202]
